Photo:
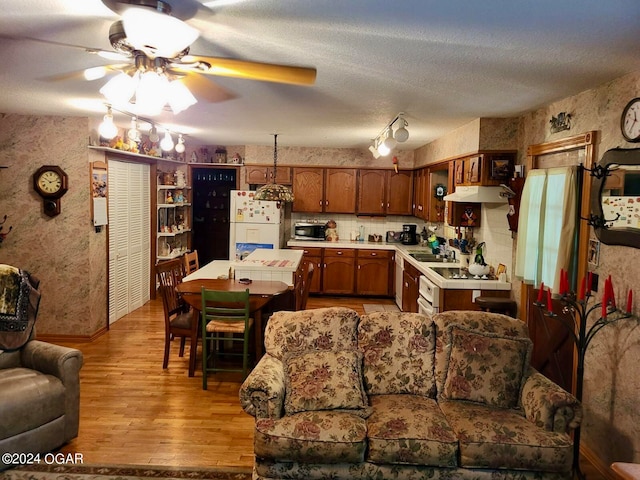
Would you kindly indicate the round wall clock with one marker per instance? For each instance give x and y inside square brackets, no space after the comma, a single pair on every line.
[51,183]
[630,121]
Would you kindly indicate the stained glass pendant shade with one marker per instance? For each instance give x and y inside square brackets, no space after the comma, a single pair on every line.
[273,191]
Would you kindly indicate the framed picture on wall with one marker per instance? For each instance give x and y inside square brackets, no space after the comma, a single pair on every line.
[500,169]
[594,252]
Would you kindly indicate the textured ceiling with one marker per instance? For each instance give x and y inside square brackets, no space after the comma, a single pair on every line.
[444,63]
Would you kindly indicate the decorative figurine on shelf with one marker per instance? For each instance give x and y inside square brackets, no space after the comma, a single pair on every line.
[331,232]
[179,198]
[169,197]
[181,180]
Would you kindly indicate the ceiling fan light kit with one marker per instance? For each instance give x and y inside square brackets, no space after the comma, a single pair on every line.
[387,139]
[157,34]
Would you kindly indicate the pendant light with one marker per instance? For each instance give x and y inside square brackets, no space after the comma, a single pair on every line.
[274,191]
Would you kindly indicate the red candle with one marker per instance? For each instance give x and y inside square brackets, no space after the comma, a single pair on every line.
[605,297]
[629,301]
[589,282]
[612,296]
[540,292]
[549,305]
[582,288]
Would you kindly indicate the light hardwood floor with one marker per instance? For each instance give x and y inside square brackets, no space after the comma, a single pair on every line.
[134,412]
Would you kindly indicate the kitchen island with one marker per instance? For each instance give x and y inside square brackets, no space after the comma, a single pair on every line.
[261,264]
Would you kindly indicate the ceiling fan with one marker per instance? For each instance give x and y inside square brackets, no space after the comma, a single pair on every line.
[152,44]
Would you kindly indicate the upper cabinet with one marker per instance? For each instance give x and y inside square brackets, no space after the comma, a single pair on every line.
[384,192]
[324,190]
[261,175]
[489,168]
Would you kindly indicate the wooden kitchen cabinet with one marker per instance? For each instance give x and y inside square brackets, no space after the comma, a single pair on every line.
[374,272]
[420,198]
[324,190]
[313,255]
[338,272]
[308,189]
[485,168]
[399,191]
[461,299]
[384,192]
[261,175]
[410,285]
[340,190]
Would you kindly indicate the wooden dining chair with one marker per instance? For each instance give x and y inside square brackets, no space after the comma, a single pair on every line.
[306,286]
[191,263]
[224,313]
[178,319]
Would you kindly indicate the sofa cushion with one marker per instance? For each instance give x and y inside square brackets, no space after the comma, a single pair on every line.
[331,328]
[410,429]
[483,322]
[29,399]
[324,380]
[498,438]
[486,368]
[398,353]
[312,437]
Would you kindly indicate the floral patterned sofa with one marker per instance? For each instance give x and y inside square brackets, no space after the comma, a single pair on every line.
[404,396]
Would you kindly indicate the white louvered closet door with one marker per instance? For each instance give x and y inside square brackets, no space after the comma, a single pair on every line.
[129,245]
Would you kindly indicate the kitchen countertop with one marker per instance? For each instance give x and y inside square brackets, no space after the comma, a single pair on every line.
[423,267]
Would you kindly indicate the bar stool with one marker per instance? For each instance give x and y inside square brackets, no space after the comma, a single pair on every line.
[502,305]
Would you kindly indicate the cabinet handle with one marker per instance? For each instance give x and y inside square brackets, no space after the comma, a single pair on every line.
[339,253]
[381,204]
[374,254]
[359,267]
[326,203]
[406,284]
[388,203]
[325,265]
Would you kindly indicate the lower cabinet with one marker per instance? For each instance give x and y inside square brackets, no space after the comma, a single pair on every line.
[350,271]
[461,299]
[338,273]
[374,272]
[410,286]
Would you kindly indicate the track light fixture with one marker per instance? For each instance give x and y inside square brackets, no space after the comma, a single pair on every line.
[387,139]
[108,130]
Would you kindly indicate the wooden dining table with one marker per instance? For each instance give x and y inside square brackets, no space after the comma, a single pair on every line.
[261,292]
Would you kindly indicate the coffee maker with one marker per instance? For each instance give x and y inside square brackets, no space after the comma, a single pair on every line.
[409,235]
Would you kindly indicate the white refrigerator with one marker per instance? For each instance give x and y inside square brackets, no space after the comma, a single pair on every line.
[254,224]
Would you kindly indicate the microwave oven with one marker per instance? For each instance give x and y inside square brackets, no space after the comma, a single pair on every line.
[309,231]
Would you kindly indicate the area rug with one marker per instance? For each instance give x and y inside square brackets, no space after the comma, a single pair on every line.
[123,472]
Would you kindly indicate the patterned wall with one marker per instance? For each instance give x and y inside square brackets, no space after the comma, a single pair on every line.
[64,251]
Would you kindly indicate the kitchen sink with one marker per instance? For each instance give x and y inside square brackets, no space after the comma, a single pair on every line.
[426,257]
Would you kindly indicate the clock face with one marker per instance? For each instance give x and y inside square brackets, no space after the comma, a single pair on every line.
[50,182]
[630,121]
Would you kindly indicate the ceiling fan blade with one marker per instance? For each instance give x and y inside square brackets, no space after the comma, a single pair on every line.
[204,89]
[269,72]
[82,75]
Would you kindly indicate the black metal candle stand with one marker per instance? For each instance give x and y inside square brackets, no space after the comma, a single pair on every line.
[582,336]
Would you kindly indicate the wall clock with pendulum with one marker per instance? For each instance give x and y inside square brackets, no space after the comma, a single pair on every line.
[51,183]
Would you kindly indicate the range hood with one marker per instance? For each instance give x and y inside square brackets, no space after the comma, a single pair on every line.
[477,194]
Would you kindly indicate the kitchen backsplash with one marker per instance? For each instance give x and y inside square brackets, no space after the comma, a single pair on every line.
[494,230]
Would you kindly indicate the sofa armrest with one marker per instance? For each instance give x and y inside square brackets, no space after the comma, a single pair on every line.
[61,362]
[548,405]
[262,392]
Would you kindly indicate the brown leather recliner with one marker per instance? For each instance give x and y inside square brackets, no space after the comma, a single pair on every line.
[39,381]
[39,398]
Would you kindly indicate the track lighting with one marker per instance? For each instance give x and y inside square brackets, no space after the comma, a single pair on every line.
[107,128]
[167,142]
[387,140]
[180,145]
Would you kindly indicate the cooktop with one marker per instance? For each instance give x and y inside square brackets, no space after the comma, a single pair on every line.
[458,273]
